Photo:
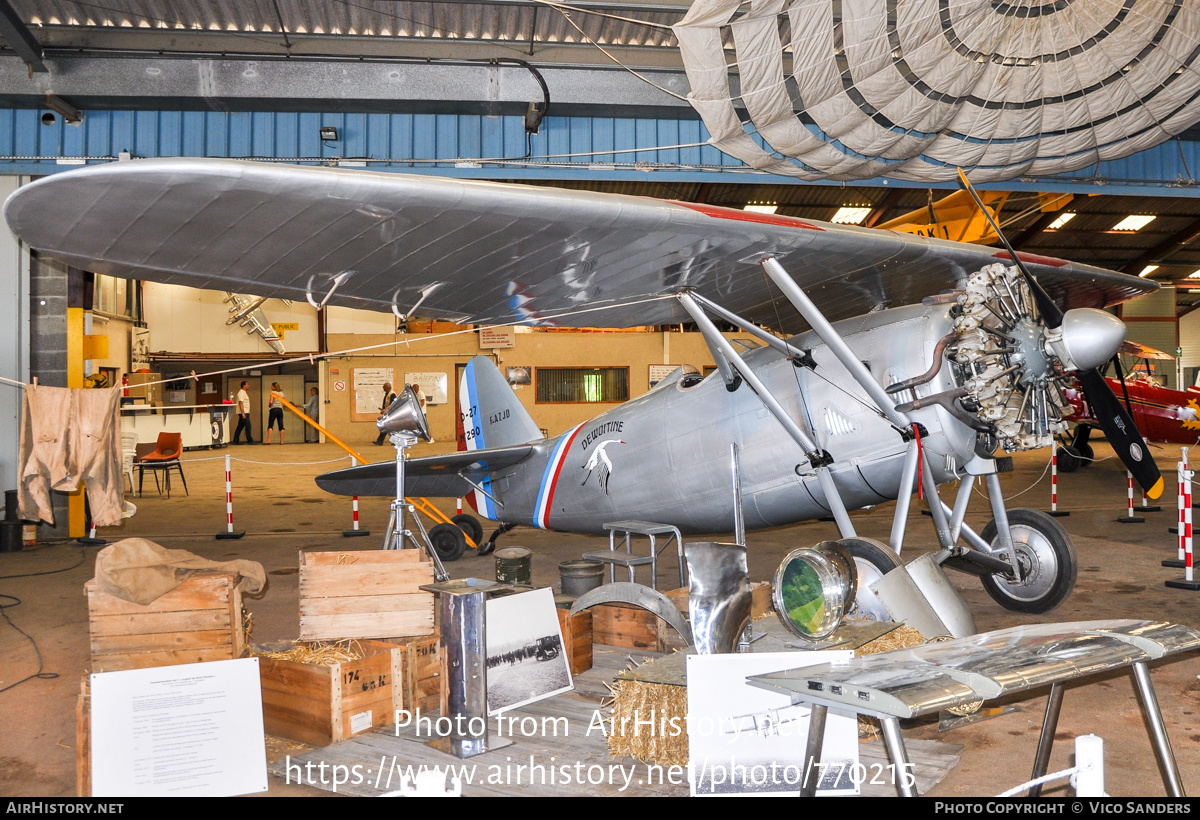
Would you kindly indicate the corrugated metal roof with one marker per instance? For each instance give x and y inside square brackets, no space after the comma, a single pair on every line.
[363,18]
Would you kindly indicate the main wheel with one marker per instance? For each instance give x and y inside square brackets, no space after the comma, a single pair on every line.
[1068,459]
[873,560]
[1046,559]
[471,526]
[448,541]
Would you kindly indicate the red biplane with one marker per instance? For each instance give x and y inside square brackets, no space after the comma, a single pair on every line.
[1160,413]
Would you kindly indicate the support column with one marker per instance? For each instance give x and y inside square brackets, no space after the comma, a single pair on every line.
[14,341]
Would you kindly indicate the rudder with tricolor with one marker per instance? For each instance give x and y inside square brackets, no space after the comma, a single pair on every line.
[490,415]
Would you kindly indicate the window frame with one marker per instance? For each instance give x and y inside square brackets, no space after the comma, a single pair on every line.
[537,376]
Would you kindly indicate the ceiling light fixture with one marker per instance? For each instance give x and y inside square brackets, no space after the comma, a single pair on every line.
[761,207]
[1149,269]
[1134,222]
[851,215]
[1063,219]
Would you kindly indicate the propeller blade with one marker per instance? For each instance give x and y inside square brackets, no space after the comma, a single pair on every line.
[1052,317]
[1121,432]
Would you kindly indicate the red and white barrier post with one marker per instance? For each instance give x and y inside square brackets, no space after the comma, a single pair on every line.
[1130,518]
[1146,506]
[1181,528]
[1054,510]
[1185,531]
[90,540]
[355,532]
[230,533]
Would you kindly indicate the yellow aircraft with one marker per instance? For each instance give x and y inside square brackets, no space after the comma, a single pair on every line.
[957,218]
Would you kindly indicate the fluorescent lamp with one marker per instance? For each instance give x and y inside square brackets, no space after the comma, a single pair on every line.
[1149,269]
[761,207]
[1063,219]
[850,215]
[1133,223]
[1194,274]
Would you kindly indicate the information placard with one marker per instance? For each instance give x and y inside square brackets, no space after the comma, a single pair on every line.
[434,385]
[368,391]
[174,731]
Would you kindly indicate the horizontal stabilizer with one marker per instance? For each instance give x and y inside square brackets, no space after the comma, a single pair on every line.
[443,476]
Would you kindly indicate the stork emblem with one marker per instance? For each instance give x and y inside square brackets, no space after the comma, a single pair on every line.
[600,464]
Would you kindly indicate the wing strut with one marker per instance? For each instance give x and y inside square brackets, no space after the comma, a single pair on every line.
[829,335]
[858,371]
[798,357]
[819,459]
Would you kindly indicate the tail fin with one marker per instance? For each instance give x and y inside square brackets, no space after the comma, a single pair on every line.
[489,412]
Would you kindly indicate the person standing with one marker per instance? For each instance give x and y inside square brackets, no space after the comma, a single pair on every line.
[311,409]
[243,411]
[388,398]
[275,411]
[422,400]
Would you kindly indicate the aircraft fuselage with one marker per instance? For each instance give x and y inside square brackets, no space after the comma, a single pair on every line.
[665,456]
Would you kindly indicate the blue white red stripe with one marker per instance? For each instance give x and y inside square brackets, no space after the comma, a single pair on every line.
[482,503]
[545,496]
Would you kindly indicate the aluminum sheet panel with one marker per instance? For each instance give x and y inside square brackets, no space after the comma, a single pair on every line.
[912,682]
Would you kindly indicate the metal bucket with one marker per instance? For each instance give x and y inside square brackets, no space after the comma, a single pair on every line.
[580,577]
[10,536]
[514,565]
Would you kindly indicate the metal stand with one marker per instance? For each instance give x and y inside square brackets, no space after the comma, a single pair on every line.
[397,536]
[464,648]
[1046,742]
[630,559]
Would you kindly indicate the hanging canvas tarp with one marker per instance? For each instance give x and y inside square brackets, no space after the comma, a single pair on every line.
[912,89]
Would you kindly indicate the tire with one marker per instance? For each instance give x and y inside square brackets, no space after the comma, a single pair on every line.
[1087,454]
[448,542]
[1068,459]
[471,526]
[1046,557]
[872,560]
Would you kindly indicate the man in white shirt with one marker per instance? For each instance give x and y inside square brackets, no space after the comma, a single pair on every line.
[422,400]
[243,411]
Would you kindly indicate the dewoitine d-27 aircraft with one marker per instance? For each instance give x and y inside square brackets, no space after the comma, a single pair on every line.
[894,358]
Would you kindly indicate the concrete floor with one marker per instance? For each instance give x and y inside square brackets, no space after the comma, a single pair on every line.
[282,511]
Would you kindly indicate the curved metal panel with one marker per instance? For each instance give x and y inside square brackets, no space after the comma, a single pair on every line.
[638,595]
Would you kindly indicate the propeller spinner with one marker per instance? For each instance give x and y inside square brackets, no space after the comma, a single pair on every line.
[1080,341]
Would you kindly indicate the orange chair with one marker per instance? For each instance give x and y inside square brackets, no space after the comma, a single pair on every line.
[164,458]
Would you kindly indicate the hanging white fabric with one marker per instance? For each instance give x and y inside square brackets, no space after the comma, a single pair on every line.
[913,89]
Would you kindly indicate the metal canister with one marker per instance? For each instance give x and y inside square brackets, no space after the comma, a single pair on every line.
[580,576]
[10,536]
[514,565]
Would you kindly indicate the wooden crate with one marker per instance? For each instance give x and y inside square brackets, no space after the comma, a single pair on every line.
[364,594]
[200,620]
[577,638]
[325,704]
[83,740]
[626,626]
[422,676]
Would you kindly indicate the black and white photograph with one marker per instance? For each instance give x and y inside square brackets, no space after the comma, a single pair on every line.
[525,656]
